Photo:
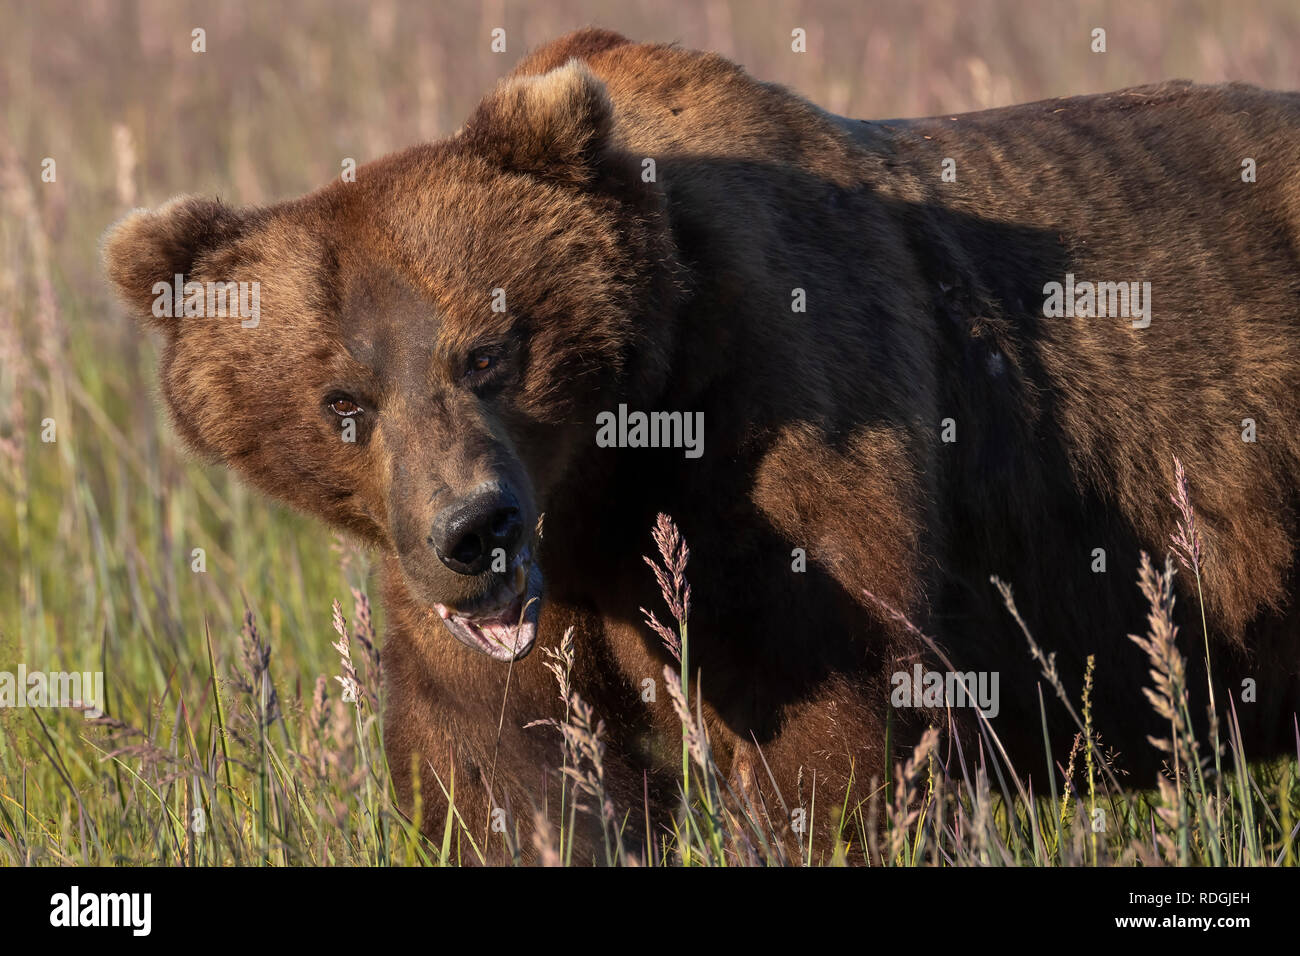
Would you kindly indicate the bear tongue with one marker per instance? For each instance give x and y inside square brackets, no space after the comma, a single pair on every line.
[498,634]
[500,631]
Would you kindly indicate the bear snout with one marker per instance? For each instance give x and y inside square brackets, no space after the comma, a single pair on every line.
[474,531]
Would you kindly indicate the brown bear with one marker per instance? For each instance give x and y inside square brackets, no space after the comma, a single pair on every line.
[902,383]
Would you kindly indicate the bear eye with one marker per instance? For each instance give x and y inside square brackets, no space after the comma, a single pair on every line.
[481,362]
[344,407]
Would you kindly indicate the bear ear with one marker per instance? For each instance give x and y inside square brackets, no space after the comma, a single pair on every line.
[555,126]
[148,249]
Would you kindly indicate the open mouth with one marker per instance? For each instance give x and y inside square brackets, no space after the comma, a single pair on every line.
[502,624]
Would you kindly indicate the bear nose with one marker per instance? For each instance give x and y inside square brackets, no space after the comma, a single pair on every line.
[467,534]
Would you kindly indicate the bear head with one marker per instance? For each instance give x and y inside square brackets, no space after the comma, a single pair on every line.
[417,355]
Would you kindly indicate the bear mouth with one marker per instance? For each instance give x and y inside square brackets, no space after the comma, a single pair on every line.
[503,624]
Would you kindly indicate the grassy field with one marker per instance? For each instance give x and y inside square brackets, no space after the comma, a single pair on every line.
[227,738]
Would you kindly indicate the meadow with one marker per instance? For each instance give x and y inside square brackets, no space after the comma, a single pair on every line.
[241,651]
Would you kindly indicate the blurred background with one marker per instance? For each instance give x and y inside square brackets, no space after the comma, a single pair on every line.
[98,526]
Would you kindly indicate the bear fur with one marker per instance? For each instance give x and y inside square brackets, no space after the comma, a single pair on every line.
[922,320]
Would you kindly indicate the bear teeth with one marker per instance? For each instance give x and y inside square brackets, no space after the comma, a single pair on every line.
[509,597]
